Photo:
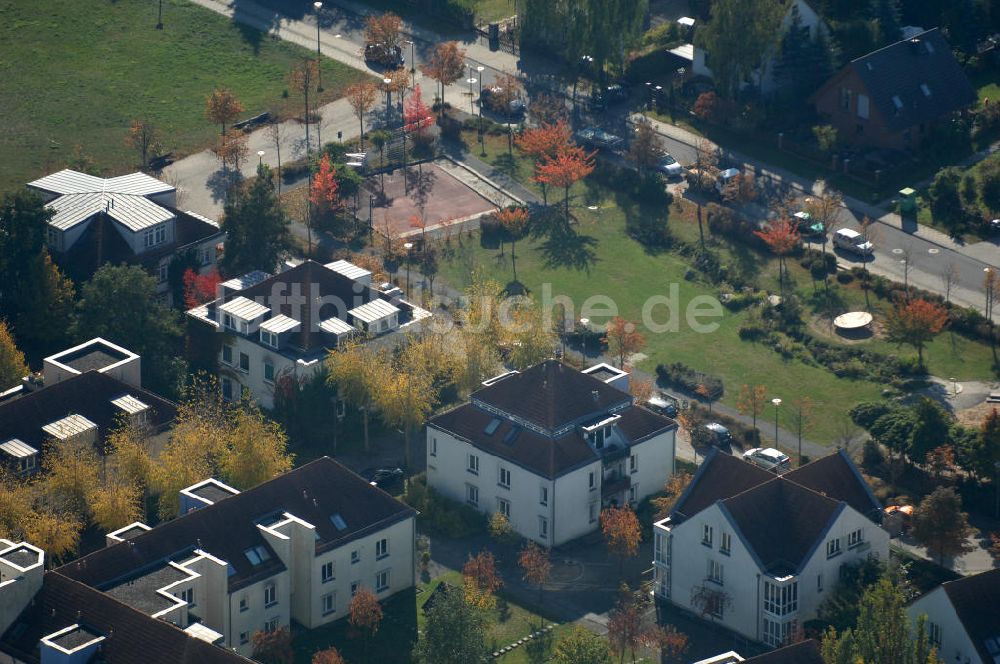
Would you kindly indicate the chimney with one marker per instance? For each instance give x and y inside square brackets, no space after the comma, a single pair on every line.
[596,395]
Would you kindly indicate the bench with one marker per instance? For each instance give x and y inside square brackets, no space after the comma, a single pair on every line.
[255,121]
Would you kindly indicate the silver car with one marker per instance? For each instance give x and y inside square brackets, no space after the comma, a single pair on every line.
[669,166]
[768,458]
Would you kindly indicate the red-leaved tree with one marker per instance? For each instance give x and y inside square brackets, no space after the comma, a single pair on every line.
[200,288]
[568,167]
[781,235]
[417,117]
[325,194]
[915,323]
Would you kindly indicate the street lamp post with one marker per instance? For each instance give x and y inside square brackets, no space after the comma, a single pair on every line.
[659,102]
[471,81]
[413,64]
[777,402]
[649,94]
[585,324]
[319,63]
[482,144]
[673,85]
[388,98]
[988,285]
[409,247]
[260,158]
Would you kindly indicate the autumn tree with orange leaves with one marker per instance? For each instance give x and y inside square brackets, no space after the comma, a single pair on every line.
[417,118]
[365,615]
[481,580]
[545,142]
[536,564]
[915,323]
[568,167]
[622,533]
[751,401]
[142,138]
[361,96]
[329,656]
[671,643]
[222,107]
[514,220]
[383,29]
[623,339]
[325,192]
[625,623]
[781,235]
[446,65]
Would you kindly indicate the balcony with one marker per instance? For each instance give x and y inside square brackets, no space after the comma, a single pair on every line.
[615,485]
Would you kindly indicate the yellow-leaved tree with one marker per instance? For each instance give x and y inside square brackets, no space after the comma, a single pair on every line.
[254,450]
[358,371]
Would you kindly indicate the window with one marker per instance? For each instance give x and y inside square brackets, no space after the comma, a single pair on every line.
[163,272]
[897,102]
[503,506]
[434,446]
[271,625]
[473,466]
[725,543]
[383,325]
[845,99]
[472,494]
[227,389]
[934,634]
[329,604]
[706,535]
[187,596]
[160,234]
[269,338]
[268,372]
[592,511]
[355,557]
[326,572]
[855,538]
[633,463]
[592,481]
[781,600]
[27,463]
[227,354]
[504,477]
[661,549]
[633,493]
[244,604]
[819,582]
[381,548]
[543,527]
[205,256]
[244,638]
[227,322]
[597,438]
[354,588]
[244,363]
[863,107]
[270,595]
[833,548]
[382,581]
[52,237]
[715,572]
[778,633]
[543,495]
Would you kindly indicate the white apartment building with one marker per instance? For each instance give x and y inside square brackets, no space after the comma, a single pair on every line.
[549,448]
[131,218]
[294,548]
[963,618]
[758,553]
[283,325]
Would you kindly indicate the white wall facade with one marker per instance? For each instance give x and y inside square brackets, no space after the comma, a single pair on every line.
[683,557]
[942,621]
[253,379]
[257,614]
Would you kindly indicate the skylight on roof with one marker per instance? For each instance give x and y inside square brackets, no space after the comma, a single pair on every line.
[512,435]
[929,46]
[338,521]
[926,90]
[897,102]
[492,427]
[257,554]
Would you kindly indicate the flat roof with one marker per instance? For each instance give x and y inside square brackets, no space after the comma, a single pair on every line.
[22,556]
[17,448]
[69,426]
[140,592]
[129,404]
[95,354]
[246,281]
[280,323]
[335,326]
[73,637]
[211,490]
[244,309]
[200,631]
[349,269]
[130,531]
[373,311]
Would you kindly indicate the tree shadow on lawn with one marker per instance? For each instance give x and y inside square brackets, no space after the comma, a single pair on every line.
[564,247]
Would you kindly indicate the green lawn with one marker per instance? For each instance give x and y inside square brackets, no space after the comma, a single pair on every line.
[76,73]
[629,275]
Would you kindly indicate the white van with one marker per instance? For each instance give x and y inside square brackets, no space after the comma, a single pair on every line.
[725,177]
[850,240]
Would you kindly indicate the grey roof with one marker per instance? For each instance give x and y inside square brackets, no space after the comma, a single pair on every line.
[17,448]
[69,181]
[246,280]
[373,311]
[804,652]
[69,426]
[280,323]
[244,308]
[335,326]
[349,270]
[914,81]
[976,600]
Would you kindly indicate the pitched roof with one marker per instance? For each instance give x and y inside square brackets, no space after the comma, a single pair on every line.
[781,522]
[315,493]
[130,635]
[915,80]
[835,475]
[551,395]
[976,600]
[90,394]
[804,652]
[720,476]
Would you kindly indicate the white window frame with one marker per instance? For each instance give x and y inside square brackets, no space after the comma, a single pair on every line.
[163,273]
[227,388]
[244,604]
[244,638]
[382,548]
[725,543]
[327,572]
[472,495]
[592,481]
[855,538]
[355,586]
[504,478]
[707,535]
[270,595]
[272,625]
[633,492]
[833,548]
[355,557]
[329,603]
[240,367]
[472,464]
[434,446]
[633,463]
[716,572]
[382,581]
[543,527]
[503,506]
[225,348]
[543,495]
[269,339]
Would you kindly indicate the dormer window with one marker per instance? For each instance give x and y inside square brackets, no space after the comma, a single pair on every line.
[154,236]
[227,322]
[269,339]
[597,438]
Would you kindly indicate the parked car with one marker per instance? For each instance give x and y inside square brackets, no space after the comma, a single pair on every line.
[383,478]
[717,434]
[602,98]
[768,458]
[853,241]
[488,100]
[807,227]
[390,57]
[669,166]
[995,225]
[664,404]
[724,178]
[597,138]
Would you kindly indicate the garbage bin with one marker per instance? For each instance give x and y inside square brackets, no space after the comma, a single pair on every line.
[907,201]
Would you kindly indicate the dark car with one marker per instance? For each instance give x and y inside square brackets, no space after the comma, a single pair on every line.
[595,137]
[610,95]
[488,99]
[715,434]
[390,57]
[383,478]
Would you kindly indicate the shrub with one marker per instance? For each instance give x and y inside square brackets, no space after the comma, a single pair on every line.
[442,515]
[451,128]
[866,413]
[683,377]
[845,277]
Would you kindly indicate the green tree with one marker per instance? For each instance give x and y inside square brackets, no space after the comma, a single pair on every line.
[12,364]
[930,430]
[945,198]
[989,184]
[940,524]
[256,227]
[802,64]
[119,303]
[737,37]
[50,297]
[887,27]
[581,646]
[455,631]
